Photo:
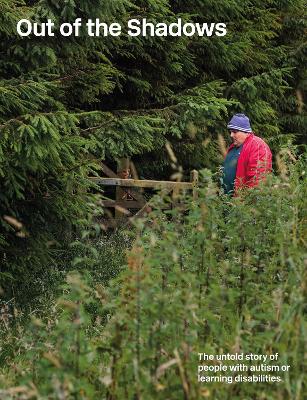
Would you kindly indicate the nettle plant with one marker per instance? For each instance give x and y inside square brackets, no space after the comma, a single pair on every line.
[213,275]
[224,275]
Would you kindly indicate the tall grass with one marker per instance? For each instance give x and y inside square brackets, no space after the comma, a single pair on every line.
[216,275]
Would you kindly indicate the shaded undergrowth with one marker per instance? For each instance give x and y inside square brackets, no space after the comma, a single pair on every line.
[214,275]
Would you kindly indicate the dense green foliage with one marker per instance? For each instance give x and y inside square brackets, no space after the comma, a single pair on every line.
[68,102]
[235,271]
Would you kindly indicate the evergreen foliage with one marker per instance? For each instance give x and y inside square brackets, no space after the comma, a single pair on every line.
[234,268]
[67,102]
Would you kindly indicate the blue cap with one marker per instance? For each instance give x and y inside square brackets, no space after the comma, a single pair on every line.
[240,122]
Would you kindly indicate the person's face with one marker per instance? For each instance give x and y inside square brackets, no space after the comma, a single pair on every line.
[238,137]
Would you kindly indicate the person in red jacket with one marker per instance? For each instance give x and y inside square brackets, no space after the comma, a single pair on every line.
[248,158]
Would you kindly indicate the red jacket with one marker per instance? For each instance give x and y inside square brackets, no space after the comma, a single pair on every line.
[254,162]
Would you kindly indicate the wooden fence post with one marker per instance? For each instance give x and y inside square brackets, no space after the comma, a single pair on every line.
[194,180]
[123,171]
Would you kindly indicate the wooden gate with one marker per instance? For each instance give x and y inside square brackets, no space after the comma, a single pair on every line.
[129,191]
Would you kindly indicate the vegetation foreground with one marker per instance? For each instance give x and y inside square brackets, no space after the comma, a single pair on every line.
[218,275]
